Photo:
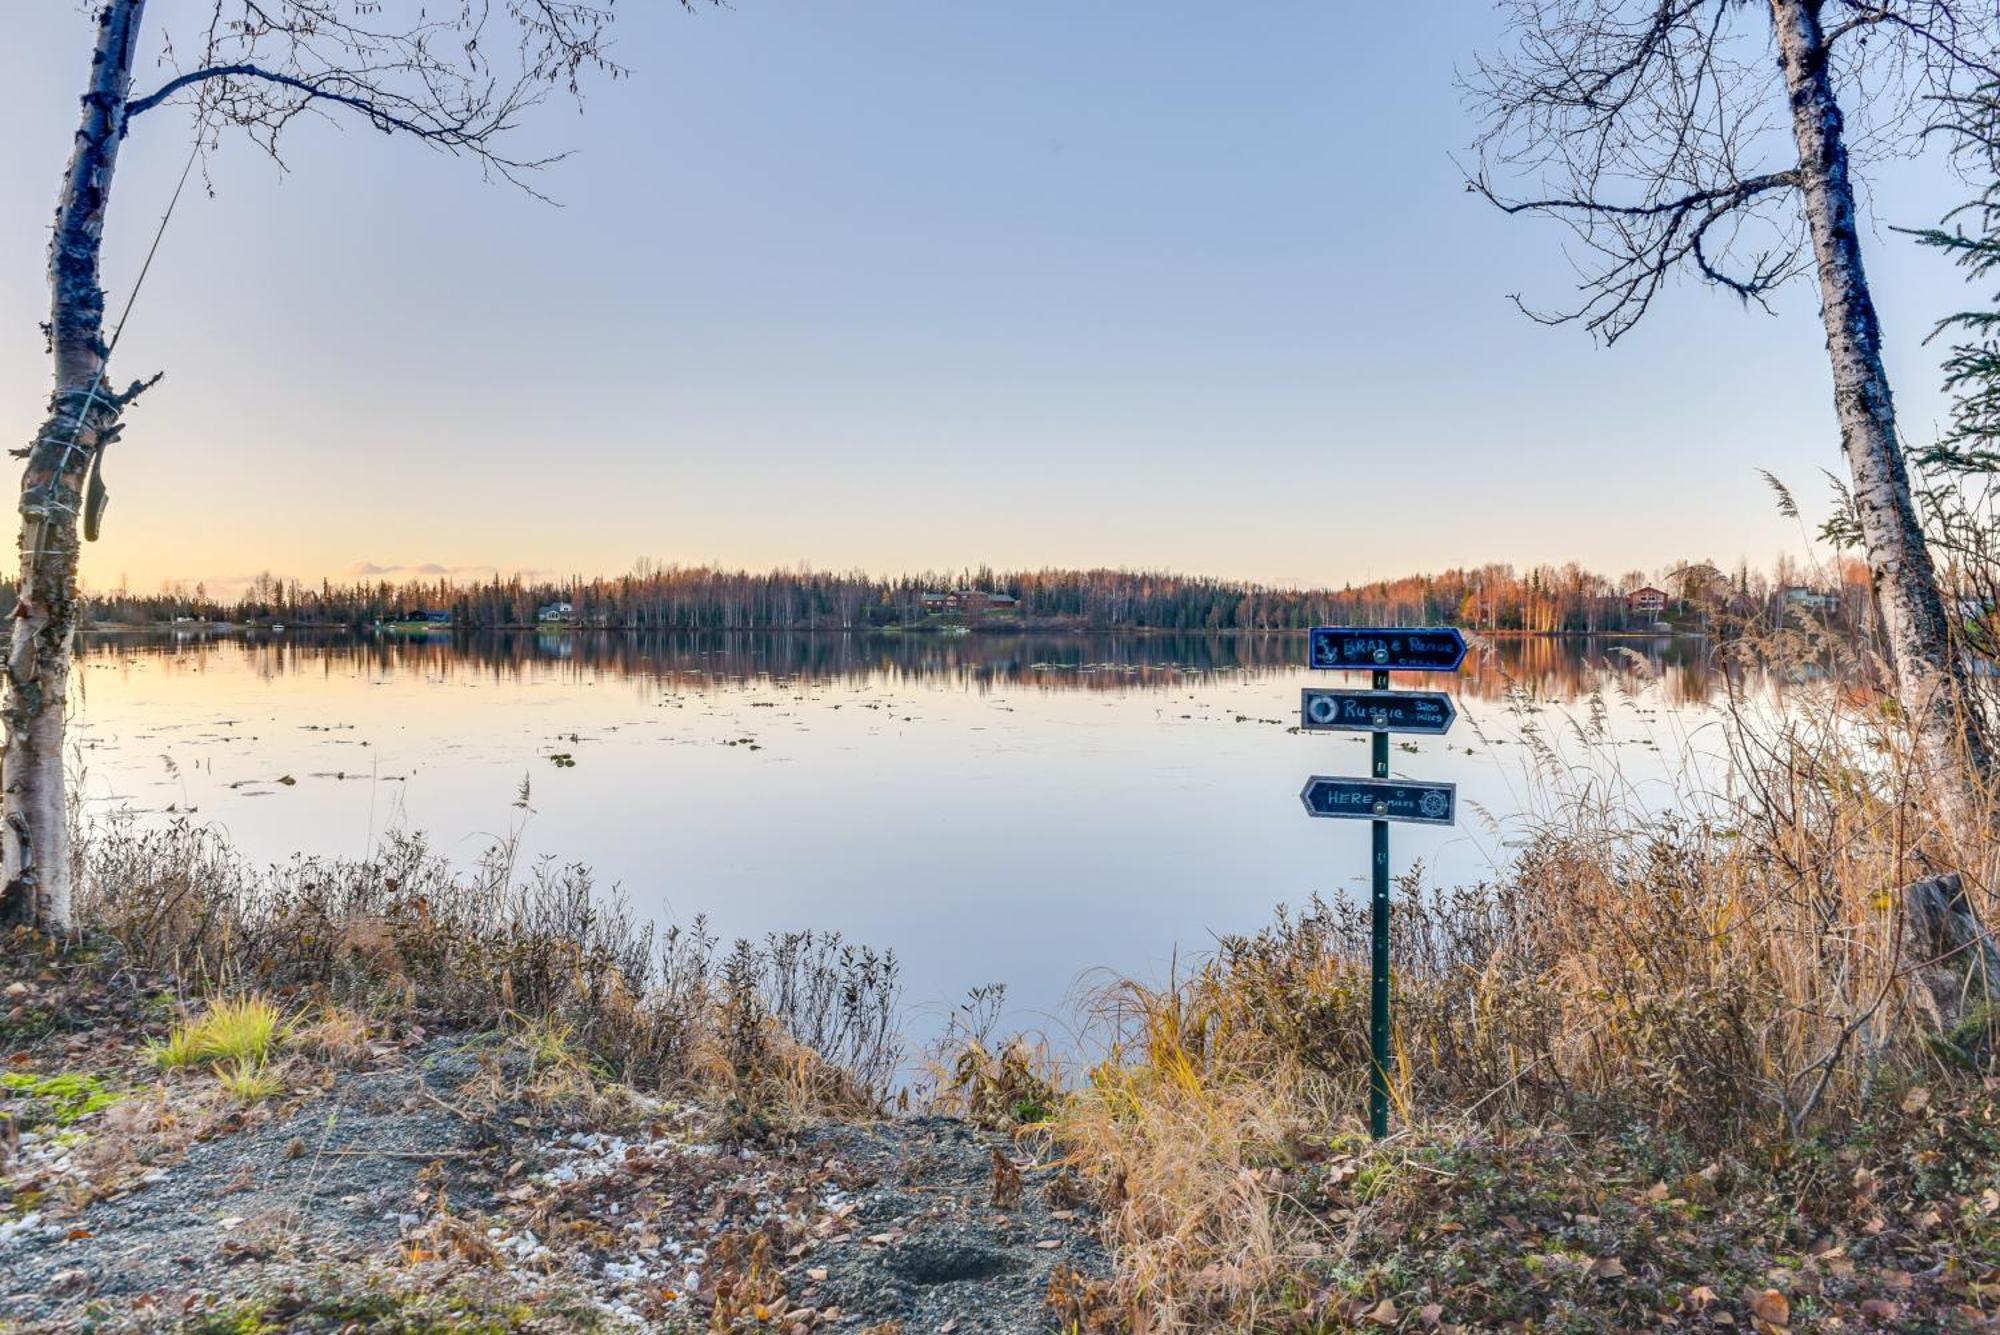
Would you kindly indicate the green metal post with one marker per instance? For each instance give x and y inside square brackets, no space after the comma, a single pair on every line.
[1378,983]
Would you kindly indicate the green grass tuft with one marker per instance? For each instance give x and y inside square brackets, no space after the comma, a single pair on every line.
[234,1030]
[249,1080]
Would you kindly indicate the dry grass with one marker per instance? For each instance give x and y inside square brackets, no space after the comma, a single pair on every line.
[337,1035]
[1739,974]
[799,1022]
[988,1081]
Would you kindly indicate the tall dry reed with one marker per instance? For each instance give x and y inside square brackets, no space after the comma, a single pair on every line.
[1739,961]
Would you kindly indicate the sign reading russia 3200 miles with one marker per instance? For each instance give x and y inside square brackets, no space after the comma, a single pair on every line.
[1429,712]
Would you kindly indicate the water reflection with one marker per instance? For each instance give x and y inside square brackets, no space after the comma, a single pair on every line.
[1685,670]
[994,807]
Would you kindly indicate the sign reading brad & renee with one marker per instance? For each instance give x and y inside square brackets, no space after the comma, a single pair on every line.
[1386,649]
[1381,799]
[1376,711]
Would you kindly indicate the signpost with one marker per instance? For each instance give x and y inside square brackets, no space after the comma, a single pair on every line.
[1390,649]
[1428,712]
[1379,799]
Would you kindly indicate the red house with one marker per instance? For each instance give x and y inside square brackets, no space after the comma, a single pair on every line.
[969,600]
[1647,602]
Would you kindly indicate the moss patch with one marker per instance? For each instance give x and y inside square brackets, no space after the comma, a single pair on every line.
[57,1100]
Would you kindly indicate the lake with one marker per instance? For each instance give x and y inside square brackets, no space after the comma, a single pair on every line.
[994,808]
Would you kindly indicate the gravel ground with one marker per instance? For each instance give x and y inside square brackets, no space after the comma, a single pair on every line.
[410,1177]
[332,1181]
[929,1248]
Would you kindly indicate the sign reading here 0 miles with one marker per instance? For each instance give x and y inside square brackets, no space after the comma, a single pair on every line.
[1390,649]
[1381,799]
[1376,711]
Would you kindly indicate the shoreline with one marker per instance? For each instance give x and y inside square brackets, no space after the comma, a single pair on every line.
[948,631]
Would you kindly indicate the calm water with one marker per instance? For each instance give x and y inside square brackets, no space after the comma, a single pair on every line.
[1017,809]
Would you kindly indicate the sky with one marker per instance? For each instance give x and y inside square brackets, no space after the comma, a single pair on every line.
[898,285]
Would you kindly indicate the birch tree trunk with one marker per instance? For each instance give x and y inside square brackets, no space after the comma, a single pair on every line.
[82,419]
[1949,736]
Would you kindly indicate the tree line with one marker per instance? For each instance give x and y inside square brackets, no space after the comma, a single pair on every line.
[1543,599]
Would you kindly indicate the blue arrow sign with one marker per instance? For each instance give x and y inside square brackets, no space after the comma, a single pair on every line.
[1376,711]
[1381,799]
[1386,649]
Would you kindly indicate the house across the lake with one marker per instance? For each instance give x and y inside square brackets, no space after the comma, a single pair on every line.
[1801,596]
[1647,602]
[408,619]
[968,600]
[556,612]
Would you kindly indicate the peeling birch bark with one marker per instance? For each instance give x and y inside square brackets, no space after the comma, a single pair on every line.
[83,415]
[1949,735]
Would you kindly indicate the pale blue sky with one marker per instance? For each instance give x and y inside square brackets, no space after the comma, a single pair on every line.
[909,284]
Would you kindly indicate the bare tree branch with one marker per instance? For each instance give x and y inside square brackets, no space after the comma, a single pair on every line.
[456,76]
[1654,131]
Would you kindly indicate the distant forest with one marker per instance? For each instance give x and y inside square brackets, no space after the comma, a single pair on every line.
[1542,599]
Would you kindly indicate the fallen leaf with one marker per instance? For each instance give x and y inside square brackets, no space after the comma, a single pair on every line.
[1916,1100]
[1607,1267]
[1383,1313]
[1771,1307]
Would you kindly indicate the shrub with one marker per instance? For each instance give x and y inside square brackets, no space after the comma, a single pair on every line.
[800,1018]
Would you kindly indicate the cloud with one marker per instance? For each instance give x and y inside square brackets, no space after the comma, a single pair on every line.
[432,569]
[233,586]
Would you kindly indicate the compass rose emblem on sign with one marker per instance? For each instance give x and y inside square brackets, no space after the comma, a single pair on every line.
[1434,805]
